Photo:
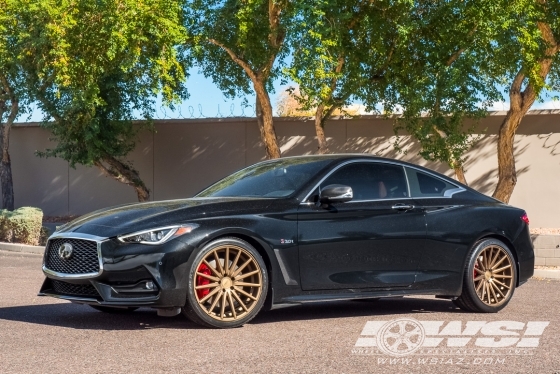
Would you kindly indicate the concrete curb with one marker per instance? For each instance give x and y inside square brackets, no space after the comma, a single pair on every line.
[15,247]
[548,274]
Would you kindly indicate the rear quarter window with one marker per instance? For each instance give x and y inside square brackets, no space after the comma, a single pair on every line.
[426,185]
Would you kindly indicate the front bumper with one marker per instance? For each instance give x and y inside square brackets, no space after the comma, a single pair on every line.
[129,275]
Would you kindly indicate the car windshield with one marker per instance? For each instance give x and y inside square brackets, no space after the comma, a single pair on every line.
[278,178]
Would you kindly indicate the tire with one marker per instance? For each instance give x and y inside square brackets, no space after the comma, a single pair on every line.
[489,278]
[221,297]
[108,309]
[459,303]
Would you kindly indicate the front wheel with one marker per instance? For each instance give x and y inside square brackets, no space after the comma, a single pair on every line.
[228,283]
[489,279]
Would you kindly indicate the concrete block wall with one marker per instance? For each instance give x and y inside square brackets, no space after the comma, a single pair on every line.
[547,249]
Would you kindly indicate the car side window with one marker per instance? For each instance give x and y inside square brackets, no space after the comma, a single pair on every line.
[371,181]
[425,185]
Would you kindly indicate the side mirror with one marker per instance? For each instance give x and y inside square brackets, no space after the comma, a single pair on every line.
[336,193]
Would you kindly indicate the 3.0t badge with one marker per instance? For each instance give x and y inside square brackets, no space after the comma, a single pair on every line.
[65,251]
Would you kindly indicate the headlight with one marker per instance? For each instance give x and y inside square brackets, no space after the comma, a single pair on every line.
[157,236]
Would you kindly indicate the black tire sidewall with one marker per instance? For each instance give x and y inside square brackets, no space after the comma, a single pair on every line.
[469,276]
[192,304]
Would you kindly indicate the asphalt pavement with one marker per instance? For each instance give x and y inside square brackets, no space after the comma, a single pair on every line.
[47,335]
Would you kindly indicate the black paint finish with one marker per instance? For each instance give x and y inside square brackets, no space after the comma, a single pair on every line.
[313,251]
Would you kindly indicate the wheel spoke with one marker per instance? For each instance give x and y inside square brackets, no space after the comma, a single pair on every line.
[209,285]
[480,284]
[216,299]
[502,284]
[240,269]
[226,262]
[218,263]
[234,263]
[491,288]
[243,284]
[201,301]
[499,262]
[483,291]
[498,289]
[480,277]
[245,293]
[215,279]
[243,276]
[479,271]
[485,259]
[494,258]
[480,264]
[502,268]
[212,268]
[230,302]
[234,294]
[223,305]
[502,276]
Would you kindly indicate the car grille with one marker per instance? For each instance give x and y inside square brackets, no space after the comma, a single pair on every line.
[84,258]
[63,288]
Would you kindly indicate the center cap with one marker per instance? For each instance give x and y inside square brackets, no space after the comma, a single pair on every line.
[488,275]
[226,283]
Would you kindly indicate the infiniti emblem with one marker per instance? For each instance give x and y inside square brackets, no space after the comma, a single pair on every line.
[65,251]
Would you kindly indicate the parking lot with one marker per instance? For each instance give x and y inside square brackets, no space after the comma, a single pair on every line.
[46,335]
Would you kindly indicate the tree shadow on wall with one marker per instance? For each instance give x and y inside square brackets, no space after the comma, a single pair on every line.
[485,149]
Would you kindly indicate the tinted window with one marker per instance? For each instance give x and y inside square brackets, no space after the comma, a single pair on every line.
[425,185]
[371,181]
[278,178]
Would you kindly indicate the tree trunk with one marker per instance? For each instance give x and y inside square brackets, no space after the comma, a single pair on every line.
[266,122]
[123,173]
[5,163]
[520,103]
[320,130]
[460,174]
[507,176]
[6,169]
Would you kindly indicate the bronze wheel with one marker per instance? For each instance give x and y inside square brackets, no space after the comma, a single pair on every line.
[493,275]
[490,277]
[228,284]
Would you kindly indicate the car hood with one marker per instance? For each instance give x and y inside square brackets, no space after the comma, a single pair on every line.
[124,219]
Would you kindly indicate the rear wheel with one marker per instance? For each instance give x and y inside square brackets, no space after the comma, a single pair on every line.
[489,279]
[108,309]
[228,283]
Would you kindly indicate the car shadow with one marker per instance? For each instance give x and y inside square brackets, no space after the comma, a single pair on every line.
[83,317]
[358,308]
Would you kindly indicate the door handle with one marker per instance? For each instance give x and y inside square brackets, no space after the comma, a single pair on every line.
[402,206]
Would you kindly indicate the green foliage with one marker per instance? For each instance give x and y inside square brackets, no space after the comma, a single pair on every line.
[245,28]
[342,49]
[94,66]
[23,225]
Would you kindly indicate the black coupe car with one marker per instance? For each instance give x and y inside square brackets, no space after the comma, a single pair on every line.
[295,230]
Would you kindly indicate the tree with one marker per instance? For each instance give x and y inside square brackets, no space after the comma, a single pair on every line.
[13,101]
[436,80]
[461,55]
[239,45]
[341,48]
[529,55]
[94,67]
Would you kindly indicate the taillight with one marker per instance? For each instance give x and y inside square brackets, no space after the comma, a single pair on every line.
[525,218]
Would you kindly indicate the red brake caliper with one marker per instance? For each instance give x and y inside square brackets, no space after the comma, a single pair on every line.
[200,281]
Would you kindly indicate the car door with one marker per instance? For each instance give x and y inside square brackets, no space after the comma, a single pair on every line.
[371,241]
[447,238]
